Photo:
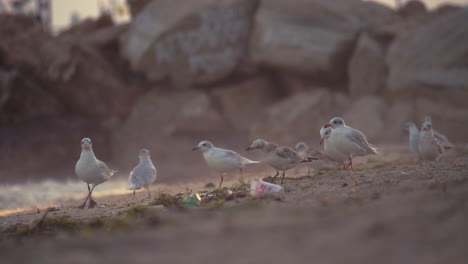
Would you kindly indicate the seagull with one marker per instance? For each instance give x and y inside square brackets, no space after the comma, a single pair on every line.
[348,141]
[143,175]
[330,150]
[323,160]
[91,170]
[222,160]
[414,136]
[429,147]
[280,158]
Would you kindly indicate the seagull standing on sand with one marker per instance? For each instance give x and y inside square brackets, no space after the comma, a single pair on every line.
[330,150]
[348,141]
[322,162]
[222,160]
[143,175]
[415,135]
[280,158]
[91,170]
[429,147]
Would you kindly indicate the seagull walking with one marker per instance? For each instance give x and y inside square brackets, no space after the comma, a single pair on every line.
[429,147]
[323,161]
[143,175]
[222,160]
[348,141]
[280,158]
[91,170]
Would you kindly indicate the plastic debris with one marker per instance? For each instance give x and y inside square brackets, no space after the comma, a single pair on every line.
[191,201]
[259,186]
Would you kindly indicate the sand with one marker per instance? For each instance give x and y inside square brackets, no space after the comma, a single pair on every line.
[397,211]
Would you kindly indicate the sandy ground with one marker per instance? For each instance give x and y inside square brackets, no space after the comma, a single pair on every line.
[397,211]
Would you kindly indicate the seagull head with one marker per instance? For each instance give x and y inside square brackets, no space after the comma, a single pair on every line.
[86,144]
[204,146]
[325,133]
[144,154]
[257,144]
[427,126]
[335,122]
[301,147]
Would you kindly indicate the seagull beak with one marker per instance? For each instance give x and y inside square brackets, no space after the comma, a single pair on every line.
[87,146]
[321,141]
[249,148]
[195,148]
[327,125]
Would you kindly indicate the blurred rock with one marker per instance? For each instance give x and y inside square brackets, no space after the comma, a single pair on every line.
[75,73]
[398,113]
[242,103]
[432,60]
[367,69]
[298,117]
[161,117]
[312,37]
[191,42]
[137,5]
[447,118]
[412,8]
[367,114]
[23,98]
[39,147]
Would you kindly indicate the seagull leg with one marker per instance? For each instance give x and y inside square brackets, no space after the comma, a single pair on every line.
[92,203]
[133,196]
[241,173]
[149,191]
[282,179]
[350,164]
[84,203]
[277,173]
[221,182]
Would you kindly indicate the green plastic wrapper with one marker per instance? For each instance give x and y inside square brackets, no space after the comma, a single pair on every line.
[191,201]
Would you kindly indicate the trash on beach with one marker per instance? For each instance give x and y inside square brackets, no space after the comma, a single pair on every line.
[191,201]
[259,186]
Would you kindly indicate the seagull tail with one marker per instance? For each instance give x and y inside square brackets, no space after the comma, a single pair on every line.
[248,162]
[308,159]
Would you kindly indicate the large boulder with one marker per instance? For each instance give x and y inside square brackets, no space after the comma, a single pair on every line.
[75,73]
[398,113]
[313,37]
[161,117]
[48,147]
[298,117]
[432,61]
[367,114]
[242,103]
[191,42]
[367,69]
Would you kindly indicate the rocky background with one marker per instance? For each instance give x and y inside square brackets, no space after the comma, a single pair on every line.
[228,71]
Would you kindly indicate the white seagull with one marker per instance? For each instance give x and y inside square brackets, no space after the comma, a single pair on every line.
[280,158]
[222,160]
[323,161]
[429,147]
[414,136]
[348,141]
[91,170]
[330,150]
[143,175]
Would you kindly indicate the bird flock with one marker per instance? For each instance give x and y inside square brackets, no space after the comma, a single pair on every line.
[341,143]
